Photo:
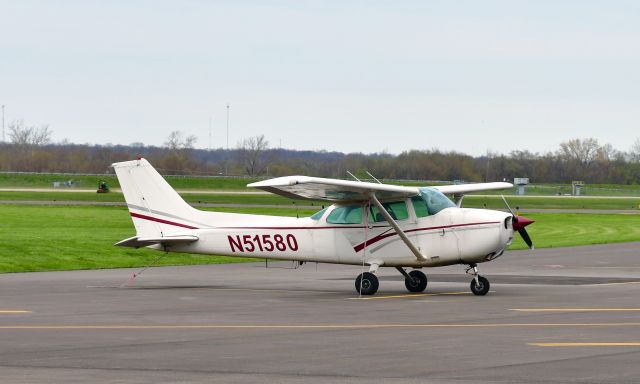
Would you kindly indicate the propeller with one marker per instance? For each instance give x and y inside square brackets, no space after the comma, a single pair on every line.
[519,223]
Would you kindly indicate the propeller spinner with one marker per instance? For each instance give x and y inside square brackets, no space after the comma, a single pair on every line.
[519,223]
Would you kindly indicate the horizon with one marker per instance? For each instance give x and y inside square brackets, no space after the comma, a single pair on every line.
[630,153]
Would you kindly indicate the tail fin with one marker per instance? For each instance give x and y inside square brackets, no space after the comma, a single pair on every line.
[156,209]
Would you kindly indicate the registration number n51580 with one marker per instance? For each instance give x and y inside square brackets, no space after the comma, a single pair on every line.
[262,243]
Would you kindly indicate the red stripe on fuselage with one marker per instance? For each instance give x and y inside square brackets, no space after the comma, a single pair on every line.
[383,236]
[357,248]
[150,218]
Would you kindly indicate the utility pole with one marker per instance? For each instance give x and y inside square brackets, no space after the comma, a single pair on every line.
[227,126]
[3,140]
[226,169]
[209,134]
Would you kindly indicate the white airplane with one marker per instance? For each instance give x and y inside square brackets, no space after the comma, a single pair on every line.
[376,225]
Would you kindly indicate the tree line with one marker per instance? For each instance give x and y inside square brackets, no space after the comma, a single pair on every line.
[585,159]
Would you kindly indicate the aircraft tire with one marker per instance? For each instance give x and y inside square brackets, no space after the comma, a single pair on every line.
[482,288]
[417,283]
[367,283]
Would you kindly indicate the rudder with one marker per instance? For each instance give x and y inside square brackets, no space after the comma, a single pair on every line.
[155,207]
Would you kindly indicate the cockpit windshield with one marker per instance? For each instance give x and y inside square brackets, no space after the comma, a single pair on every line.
[435,200]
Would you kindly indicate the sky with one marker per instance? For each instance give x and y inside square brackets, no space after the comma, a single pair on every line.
[349,76]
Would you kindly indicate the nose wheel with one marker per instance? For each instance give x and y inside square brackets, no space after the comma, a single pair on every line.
[479,285]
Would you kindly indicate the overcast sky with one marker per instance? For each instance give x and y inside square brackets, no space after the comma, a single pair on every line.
[351,76]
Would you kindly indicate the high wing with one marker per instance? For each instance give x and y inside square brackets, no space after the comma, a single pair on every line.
[461,189]
[316,188]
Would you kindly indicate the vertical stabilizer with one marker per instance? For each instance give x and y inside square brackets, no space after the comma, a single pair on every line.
[155,207]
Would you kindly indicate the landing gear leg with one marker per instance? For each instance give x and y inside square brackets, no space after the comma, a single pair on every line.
[415,281]
[479,285]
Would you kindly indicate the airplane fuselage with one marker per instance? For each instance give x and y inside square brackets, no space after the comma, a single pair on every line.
[452,236]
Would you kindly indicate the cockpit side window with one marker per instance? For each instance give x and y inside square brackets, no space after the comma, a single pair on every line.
[351,214]
[419,206]
[396,209]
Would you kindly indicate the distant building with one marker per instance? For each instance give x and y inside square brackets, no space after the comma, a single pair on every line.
[520,182]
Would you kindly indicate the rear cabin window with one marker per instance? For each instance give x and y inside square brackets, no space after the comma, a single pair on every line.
[318,215]
[351,214]
[419,206]
[397,210]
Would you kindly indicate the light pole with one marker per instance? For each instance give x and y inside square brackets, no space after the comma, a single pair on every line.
[226,169]
[227,126]
[209,134]
[3,140]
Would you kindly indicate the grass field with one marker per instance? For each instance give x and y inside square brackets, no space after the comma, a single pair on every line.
[41,238]
[553,230]
[566,189]
[248,199]
[552,202]
[470,201]
[62,238]
[21,180]
[24,180]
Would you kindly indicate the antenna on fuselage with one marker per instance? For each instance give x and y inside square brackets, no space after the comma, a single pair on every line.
[352,175]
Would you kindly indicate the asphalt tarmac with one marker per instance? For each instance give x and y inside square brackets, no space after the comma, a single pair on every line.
[569,315]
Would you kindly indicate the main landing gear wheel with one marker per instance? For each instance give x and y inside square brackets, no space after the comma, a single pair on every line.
[481,287]
[367,283]
[417,281]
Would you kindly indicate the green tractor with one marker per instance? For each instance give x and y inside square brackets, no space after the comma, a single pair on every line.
[102,187]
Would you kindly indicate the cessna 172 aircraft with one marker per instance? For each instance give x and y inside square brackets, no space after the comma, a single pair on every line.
[371,224]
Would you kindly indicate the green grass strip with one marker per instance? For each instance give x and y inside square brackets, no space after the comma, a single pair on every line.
[553,230]
[47,238]
[36,238]
[244,199]
[470,201]
[550,202]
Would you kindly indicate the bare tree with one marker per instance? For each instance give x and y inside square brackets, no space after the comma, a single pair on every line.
[634,152]
[583,151]
[177,141]
[19,134]
[577,156]
[24,135]
[252,154]
[180,156]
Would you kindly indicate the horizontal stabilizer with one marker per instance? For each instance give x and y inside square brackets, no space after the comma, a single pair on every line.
[137,242]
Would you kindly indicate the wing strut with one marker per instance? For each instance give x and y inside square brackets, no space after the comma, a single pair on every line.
[396,227]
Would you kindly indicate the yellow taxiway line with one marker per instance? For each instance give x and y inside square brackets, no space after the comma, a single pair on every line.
[13,311]
[590,344]
[309,326]
[407,296]
[575,309]
[612,284]
[147,287]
